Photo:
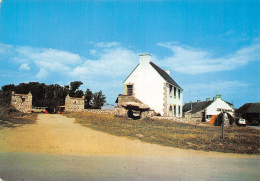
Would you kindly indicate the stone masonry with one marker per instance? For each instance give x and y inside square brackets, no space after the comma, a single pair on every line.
[22,102]
[73,104]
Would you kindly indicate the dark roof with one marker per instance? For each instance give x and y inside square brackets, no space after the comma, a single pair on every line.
[250,108]
[165,75]
[196,106]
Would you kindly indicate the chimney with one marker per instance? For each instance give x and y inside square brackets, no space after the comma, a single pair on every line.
[207,99]
[198,100]
[218,96]
[145,58]
[167,71]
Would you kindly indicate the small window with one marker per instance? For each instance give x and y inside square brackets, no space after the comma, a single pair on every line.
[129,90]
[179,93]
[174,110]
[170,92]
[174,91]
[179,110]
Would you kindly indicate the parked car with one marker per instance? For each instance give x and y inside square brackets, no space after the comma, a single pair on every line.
[38,110]
[61,109]
[241,121]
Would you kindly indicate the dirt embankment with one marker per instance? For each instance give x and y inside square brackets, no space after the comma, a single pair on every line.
[57,134]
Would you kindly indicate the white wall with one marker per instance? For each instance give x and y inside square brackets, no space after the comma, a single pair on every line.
[171,100]
[148,85]
[218,103]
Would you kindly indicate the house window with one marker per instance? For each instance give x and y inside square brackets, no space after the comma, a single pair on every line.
[179,93]
[174,91]
[170,92]
[179,110]
[129,90]
[208,116]
[174,110]
[170,111]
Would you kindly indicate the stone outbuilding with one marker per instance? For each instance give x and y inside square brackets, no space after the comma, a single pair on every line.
[22,102]
[74,104]
[129,106]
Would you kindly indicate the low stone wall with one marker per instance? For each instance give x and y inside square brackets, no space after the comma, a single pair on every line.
[177,119]
[99,111]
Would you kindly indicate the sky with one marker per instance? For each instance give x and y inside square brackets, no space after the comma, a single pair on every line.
[210,47]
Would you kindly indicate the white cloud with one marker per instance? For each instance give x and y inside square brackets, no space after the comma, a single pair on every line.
[106,44]
[24,66]
[5,49]
[105,72]
[194,61]
[199,91]
[111,62]
[46,60]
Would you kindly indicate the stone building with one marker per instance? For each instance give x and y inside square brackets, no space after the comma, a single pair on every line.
[154,87]
[74,104]
[207,111]
[22,102]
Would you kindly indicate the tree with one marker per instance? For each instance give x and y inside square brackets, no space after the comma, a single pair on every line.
[9,87]
[74,86]
[88,98]
[98,100]
[78,93]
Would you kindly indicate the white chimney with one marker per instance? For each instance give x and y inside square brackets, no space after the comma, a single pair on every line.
[145,58]
[167,71]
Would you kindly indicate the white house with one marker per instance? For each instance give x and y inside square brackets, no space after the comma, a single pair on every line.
[155,88]
[205,110]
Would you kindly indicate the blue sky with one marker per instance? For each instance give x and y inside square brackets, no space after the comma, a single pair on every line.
[210,47]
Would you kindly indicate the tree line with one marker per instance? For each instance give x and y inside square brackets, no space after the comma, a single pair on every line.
[53,95]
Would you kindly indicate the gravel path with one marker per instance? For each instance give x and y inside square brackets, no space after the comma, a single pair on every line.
[57,134]
[55,148]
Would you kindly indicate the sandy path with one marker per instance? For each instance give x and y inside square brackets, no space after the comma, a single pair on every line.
[57,134]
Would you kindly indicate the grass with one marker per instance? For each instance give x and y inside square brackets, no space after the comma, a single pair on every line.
[168,133]
[10,117]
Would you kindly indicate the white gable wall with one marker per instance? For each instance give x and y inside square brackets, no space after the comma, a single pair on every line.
[147,85]
[218,103]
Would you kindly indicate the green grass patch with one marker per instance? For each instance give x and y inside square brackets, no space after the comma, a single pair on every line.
[168,133]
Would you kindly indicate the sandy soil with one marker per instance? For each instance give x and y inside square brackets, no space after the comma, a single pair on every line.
[57,134]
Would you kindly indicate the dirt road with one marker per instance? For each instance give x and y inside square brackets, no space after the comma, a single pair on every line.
[55,148]
[57,134]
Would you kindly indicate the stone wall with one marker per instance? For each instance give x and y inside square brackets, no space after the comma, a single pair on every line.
[22,102]
[73,104]
[99,111]
[177,119]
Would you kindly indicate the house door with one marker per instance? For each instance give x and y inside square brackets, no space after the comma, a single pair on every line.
[203,115]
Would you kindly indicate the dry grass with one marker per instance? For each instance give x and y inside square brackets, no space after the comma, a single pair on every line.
[10,117]
[169,133]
